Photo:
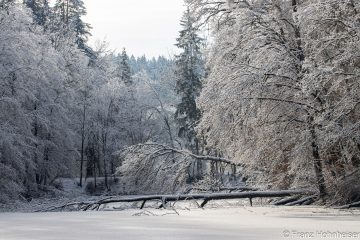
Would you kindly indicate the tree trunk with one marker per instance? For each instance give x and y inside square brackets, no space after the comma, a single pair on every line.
[105,165]
[206,197]
[82,145]
[318,166]
[67,12]
[94,171]
[300,51]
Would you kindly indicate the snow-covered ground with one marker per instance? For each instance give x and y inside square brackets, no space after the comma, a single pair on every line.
[221,223]
[221,220]
[70,192]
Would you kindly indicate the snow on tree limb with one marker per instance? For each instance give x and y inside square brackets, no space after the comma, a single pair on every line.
[164,199]
[153,167]
[163,149]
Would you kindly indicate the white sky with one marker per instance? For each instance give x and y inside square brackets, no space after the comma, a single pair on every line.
[147,27]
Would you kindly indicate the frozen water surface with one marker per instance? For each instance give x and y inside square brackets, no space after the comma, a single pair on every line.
[228,223]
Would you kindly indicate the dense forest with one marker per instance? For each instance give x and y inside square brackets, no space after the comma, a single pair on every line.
[67,107]
[271,99]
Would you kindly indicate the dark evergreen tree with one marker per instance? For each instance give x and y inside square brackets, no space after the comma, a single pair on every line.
[70,13]
[189,72]
[154,68]
[40,10]
[124,70]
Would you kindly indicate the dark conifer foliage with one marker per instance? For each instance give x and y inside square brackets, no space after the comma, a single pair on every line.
[40,10]
[189,71]
[124,69]
[70,13]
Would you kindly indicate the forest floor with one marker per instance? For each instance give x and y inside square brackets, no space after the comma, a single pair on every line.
[70,192]
[212,223]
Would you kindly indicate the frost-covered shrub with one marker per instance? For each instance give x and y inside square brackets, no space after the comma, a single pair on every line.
[347,189]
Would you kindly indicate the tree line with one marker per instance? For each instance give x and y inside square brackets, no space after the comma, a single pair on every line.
[272,99]
[65,107]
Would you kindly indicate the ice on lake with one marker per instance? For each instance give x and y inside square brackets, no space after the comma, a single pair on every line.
[222,223]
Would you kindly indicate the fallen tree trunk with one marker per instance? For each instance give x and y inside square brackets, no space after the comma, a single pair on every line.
[183,197]
[352,205]
[220,189]
[286,200]
[302,201]
[209,196]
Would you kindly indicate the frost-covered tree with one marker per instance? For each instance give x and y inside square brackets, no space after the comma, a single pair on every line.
[331,69]
[189,70]
[37,143]
[62,113]
[280,93]
[69,14]
[159,73]
[4,4]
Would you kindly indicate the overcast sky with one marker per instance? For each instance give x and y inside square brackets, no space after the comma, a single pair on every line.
[147,27]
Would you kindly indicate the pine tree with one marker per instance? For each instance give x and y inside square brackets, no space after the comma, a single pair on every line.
[70,13]
[40,10]
[124,70]
[189,71]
